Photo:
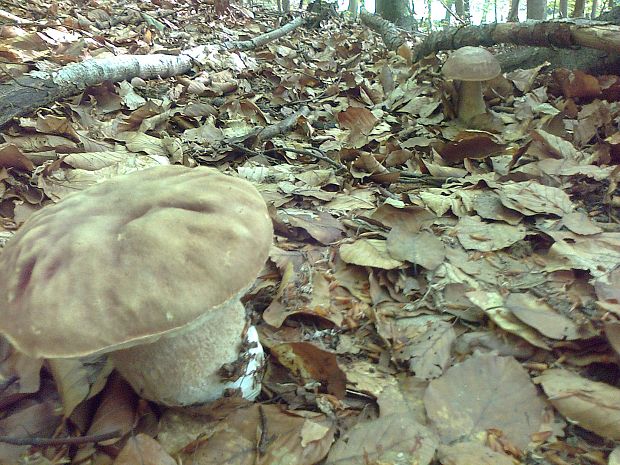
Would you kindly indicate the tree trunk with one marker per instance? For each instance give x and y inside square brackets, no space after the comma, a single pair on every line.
[354,6]
[563,8]
[580,6]
[594,12]
[513,14]
[536,9]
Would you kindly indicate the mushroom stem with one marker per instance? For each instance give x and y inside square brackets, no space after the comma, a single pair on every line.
[183,368]
[471,102]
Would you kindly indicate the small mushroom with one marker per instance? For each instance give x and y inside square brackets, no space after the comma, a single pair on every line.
[148,267]
[471,66]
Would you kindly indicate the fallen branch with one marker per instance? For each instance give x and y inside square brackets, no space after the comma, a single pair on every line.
[388,31]
[38,89]
[60,441]
[556,34]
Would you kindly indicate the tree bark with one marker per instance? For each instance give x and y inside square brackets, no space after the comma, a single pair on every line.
[536,9]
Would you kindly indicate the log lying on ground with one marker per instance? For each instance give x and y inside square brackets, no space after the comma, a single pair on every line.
[37,89]
[388,31]
[573,43]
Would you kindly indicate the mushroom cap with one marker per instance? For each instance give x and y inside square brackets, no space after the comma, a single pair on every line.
[471,64]
[131,259]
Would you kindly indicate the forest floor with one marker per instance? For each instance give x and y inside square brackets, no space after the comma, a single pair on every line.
[434,293]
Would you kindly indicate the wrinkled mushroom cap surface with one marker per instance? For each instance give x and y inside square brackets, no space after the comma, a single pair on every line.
[471,64]
[130,259]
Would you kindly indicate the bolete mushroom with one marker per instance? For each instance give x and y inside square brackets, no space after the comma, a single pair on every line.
[471,66]
[148,267]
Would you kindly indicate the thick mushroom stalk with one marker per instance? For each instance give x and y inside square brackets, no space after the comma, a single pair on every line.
[151,264]
[185,367]
[471,66]
[471,102]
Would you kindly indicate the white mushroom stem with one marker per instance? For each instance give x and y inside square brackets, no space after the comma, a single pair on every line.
[471,102]
[184,368]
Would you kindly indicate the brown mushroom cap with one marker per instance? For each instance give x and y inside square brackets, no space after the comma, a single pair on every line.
[128,260]
[471,64]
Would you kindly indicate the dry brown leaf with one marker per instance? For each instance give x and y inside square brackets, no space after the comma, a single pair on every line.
[612,331]
[470,453]
[311,364]
[423,248]
[485,392]
[592,405]
[78,380]
[531,198]
[116,410]
[406,397]
[393,439]
[428,353]
[369,252]
[38,420]
[541,316]
[143,450]
[474,234]
[263,435]
[598,253]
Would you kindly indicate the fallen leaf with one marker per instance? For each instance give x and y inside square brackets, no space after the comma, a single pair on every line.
[592,405]
[485,392]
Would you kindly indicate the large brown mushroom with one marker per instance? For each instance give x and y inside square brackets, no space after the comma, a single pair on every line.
[149,267]
[471,66]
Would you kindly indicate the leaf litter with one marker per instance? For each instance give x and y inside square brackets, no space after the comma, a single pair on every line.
[434,294]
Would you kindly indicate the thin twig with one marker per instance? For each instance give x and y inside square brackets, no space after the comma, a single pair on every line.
[315,153]
[60,441]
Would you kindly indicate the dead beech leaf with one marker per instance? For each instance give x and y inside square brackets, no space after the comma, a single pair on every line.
[143,450]
[493,305]
[116,410]
[471,144]
[612,332]
[358,120]
[541,316]
[38,420]
[369,252]
[422,248]
[531,198]
[263,435]
[484,392]
[474,234]
[392,439]
[468,453]
[311,364]
[302,290]
[16,365]
[592,405]
[12,157]
[428,353]
[598,253]
[78,380]
[554,146]
[580,223]
[406,397]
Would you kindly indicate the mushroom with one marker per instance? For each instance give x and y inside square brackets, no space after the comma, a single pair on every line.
[149,267]
[471,66]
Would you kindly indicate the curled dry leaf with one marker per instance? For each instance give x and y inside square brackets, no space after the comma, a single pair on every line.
[484,392]
[592,405]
